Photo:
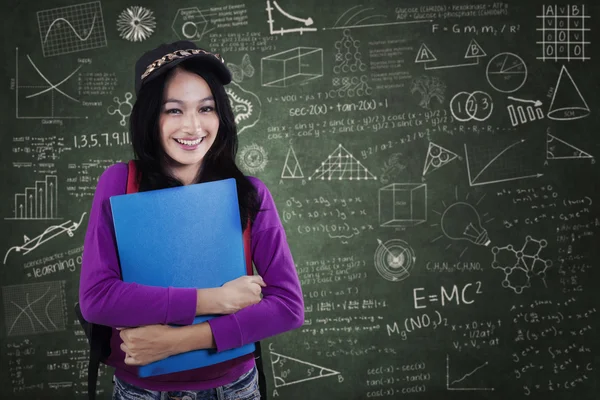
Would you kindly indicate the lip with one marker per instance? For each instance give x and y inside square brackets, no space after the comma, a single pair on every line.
[190,139]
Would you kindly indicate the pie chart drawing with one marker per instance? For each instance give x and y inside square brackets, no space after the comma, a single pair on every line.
[506,72]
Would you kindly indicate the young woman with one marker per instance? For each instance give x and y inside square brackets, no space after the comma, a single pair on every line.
[183,132]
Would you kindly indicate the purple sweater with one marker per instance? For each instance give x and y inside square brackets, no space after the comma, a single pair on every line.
[105,299]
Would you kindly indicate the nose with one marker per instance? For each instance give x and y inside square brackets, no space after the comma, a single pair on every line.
[193,123]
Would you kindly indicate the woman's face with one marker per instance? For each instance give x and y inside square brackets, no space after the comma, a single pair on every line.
[188,123]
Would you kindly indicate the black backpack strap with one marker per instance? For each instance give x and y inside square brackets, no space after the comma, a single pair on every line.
[93,366]
[262,381]
[95,352]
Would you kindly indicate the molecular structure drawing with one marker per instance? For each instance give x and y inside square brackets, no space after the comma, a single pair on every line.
[520,265]
[124,108]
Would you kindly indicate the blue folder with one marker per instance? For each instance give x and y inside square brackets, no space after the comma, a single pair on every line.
[186,236]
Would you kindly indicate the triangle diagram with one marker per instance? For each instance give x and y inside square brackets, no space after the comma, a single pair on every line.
[291,168]
[341,165]
[474,50]
[557,149]
[437,157]
[424,55]
[567,102]
[289,371]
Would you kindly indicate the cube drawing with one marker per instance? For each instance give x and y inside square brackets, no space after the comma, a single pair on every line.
[292,66]
[403,204]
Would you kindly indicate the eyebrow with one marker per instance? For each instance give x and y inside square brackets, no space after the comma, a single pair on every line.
[209,98]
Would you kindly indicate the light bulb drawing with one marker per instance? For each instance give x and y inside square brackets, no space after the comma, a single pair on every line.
[461,221]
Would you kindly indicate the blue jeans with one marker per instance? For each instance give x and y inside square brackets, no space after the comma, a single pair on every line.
[244,388]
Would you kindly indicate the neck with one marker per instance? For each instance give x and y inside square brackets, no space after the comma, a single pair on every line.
[185,174]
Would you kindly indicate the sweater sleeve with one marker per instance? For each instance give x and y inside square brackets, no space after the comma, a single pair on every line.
[104,298]
[282,306]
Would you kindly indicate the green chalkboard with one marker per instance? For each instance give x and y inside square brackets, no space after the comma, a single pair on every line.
[433,163]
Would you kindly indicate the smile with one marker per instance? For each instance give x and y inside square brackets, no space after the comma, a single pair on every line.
[190,142]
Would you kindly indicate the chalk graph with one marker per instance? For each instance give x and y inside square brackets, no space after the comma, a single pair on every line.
[43,95]
[34,308]
[451,384]
[70,29]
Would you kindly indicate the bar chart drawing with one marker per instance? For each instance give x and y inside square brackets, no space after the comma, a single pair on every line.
[522,112]
[37,202]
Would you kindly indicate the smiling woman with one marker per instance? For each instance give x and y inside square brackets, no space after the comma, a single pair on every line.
[188,123]
[183,132]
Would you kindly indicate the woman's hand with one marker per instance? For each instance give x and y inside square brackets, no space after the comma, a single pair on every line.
[146,344]
[240,293]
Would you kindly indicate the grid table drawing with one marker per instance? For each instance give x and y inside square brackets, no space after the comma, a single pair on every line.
[563,32]
[70,29]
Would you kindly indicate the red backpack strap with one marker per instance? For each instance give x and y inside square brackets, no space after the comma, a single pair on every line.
[132,178]
[248,248]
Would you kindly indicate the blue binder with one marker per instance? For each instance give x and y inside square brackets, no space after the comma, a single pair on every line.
[186,236]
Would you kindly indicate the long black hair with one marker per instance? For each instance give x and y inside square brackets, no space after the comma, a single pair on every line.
[219,161]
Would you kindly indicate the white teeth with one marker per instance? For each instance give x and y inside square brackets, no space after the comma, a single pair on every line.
[190,142]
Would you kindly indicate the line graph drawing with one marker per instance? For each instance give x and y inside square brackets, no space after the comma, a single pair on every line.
[38,202]
[70,29]
[498,173]
[51,232]
[291,167]
[341,165]
[465,376]
[558,149]
[356,20]
[281,31]
[290,371]
[29,97]
[34,308]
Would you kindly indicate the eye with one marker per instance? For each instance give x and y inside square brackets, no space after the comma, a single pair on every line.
[173,111]
[207,109]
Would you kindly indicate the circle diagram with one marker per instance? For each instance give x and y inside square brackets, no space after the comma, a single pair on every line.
[506,72]
[476,105]
[394,259]
[253,158]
